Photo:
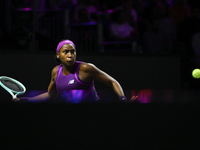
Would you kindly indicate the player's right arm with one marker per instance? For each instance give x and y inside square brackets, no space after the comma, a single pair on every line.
[50,94]
[52,91]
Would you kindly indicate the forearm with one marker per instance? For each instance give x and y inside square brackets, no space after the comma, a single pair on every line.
[39,98]
[117,88]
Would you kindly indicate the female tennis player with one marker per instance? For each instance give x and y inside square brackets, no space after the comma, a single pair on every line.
[73,80]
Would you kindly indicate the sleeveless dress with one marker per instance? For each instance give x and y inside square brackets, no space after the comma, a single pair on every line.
[72,90]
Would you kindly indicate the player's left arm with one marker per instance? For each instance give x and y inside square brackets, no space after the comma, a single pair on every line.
[97,74]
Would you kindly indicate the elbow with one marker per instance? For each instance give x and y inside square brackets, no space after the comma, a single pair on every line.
[51,95]
[114,82]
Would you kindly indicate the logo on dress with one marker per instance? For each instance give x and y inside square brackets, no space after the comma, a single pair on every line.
[71,82]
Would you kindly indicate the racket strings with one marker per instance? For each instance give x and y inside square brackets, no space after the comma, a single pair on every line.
[12,85]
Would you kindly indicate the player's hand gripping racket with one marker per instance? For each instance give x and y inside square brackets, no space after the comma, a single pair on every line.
[13,86]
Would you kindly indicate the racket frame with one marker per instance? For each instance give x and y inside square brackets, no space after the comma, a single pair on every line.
[12,92]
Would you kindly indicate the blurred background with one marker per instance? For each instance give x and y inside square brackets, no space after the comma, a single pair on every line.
[149,46]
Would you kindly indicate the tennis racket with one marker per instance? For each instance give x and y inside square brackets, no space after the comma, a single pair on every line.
[13,86]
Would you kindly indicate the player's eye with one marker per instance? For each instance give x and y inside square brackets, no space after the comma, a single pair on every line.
[66,51]
[73,51]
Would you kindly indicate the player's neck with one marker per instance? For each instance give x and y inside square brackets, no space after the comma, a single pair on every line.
[67,69]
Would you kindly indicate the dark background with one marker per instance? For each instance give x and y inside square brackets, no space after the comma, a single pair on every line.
[133,73]
[168,121]
[27,54]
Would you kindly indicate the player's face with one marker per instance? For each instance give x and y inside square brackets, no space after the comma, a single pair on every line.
[67,54]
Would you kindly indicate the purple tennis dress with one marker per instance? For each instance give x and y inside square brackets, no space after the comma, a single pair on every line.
[72,89]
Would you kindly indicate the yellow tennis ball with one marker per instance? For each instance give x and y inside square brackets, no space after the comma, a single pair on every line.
[196,73]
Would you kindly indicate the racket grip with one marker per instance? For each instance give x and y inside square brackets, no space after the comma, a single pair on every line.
[23,99]
[122,98]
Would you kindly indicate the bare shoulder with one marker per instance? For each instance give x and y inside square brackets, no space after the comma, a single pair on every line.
[87,72]
[54,73]
[87,66]
[55,70]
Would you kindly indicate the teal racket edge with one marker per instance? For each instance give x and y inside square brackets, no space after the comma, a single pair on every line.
[13,86]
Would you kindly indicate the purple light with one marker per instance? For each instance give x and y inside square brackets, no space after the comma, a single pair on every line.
[74,96]
[25,9]
[35,93]
[85,23]
[144,96]
[110,11]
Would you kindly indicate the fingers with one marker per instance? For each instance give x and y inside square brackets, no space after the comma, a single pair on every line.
[134,98]
[16,99]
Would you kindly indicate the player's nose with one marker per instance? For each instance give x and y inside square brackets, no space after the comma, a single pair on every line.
[69,54]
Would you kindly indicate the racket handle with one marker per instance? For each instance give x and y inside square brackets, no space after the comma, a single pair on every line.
[23,99]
